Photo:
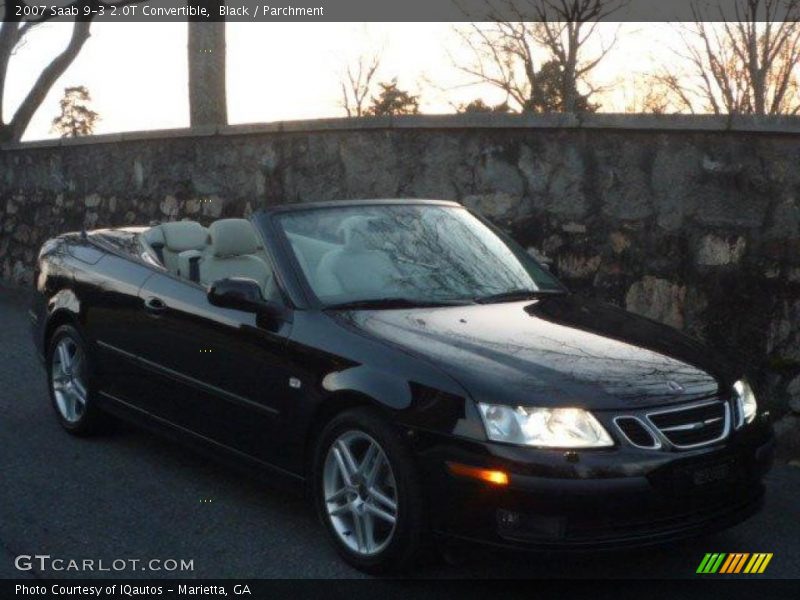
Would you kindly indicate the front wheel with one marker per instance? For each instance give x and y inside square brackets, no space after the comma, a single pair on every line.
[367,492]
[69,374]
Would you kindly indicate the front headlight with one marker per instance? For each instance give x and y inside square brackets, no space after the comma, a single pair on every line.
[543,427]
[745,402]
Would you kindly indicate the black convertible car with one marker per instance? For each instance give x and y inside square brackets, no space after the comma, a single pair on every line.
[415,368]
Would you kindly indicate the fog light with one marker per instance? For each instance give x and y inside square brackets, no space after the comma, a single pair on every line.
[507,519]
[522,526]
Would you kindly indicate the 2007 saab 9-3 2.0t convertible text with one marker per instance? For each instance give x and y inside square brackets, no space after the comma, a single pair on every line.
[418,370]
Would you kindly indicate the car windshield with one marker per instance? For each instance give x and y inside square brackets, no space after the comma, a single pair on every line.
[409,254]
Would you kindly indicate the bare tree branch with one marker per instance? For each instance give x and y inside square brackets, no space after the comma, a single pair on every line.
[507,54]
[50,74]
[743,63]
[12,33]
[356,84]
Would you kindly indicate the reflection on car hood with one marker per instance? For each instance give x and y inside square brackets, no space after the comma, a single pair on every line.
[554,351]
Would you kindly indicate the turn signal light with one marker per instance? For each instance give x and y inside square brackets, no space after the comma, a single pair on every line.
[487,475]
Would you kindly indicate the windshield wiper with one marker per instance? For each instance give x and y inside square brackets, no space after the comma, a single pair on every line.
[393,302]
[512,295]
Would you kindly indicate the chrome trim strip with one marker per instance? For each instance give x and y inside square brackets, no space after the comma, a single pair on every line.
[653,435]
[685,407]
[690,426]
[739,411]
[190,381]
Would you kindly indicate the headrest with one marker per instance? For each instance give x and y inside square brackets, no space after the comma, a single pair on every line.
[154,236]
[184,235]
[233,237]
[357,232]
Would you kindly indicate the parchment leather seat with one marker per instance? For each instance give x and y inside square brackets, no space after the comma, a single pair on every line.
[357,267]
[232,253]
[168,240]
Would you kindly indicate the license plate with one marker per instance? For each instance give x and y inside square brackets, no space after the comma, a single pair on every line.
[711,473]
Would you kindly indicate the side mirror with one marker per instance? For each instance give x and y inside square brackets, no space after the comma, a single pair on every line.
[242,294]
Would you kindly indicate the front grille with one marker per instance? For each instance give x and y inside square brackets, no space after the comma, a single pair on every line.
[693,426]
[636,432]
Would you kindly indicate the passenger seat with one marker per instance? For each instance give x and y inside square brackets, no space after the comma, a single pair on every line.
[356,267]
[232,254]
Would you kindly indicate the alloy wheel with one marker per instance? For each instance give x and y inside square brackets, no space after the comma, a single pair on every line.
[360,493]
[68,379]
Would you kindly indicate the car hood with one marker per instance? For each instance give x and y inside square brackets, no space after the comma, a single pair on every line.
[554,351]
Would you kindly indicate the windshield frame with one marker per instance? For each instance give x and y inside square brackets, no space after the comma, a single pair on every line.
[313,301]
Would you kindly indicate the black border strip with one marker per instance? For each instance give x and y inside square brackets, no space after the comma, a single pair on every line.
[407,589]
[283,11]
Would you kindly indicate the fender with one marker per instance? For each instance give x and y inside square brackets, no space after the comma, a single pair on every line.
[64,300]
[63,305]
[417,405]
[355,369]
[382,388]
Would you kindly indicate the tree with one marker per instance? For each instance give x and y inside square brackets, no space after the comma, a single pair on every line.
[650,96]
[13,31]
[393,101]
[566,37]
[76,117]
[506,54]
[357,83]
[479,106]
[745,63]
[208,103]
[548,95]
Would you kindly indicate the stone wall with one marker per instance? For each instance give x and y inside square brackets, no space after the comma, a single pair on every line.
[694,221]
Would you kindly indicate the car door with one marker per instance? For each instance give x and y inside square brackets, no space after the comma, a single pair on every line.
[224,368]
[113,319]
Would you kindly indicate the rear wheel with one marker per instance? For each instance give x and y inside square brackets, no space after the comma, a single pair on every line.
[69,375]
[367,493]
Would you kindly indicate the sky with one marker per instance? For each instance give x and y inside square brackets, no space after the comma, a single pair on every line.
[137,73]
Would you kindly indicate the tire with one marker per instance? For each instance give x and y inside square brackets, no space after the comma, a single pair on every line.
[393,546]
[71,389]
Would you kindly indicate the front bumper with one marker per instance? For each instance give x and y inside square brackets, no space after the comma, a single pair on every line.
[595,499]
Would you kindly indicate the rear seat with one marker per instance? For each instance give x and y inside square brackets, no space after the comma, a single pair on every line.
[169,240]
[153,239]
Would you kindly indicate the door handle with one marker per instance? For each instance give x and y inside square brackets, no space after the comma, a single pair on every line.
[154,305]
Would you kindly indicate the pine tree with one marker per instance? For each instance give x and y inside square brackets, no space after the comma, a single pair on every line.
[479,106]
[393,101]
[76,117]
